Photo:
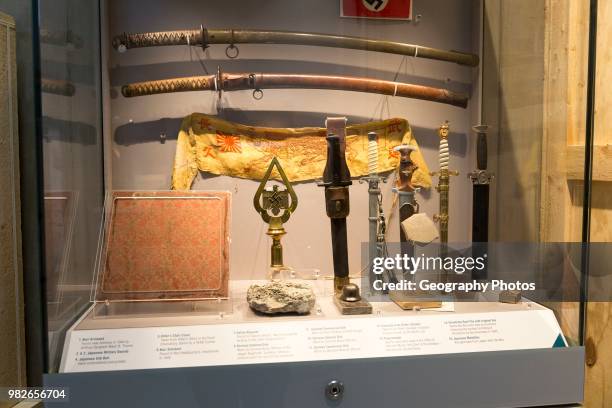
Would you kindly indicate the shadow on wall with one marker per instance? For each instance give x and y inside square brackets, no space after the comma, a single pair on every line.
[69,131]
[144,132]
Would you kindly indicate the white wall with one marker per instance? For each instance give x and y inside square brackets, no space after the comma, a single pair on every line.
[140,162]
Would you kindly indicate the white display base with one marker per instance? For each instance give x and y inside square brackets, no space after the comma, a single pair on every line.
[246,338]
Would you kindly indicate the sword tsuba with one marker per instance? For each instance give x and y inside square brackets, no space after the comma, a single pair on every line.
[275,205]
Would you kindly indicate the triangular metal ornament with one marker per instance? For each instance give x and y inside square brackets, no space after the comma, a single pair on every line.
[275,207]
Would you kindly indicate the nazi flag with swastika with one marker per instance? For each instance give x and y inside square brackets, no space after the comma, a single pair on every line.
[389,9]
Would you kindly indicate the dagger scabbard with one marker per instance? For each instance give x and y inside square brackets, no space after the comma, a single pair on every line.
[204,37]
[481,180]
[256,82]
[405,190]
[336,181]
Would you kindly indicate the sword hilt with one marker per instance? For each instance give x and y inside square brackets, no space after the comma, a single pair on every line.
[406,168]
[373,177]
[481,175]
[372,153]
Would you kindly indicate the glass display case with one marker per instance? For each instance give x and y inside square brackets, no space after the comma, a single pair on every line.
[311,203]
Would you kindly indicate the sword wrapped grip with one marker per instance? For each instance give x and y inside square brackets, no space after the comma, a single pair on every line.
[155,39]
[372,154]
[444,154]
[168,85]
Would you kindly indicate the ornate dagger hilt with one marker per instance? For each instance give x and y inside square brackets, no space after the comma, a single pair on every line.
[373,178]
[405,190]
[443,181]
[408,205]
[481,176]
[275,207]
[406,169]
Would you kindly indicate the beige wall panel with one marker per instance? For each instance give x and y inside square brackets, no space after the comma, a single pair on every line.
[11,307]
[599,321]
[520,93]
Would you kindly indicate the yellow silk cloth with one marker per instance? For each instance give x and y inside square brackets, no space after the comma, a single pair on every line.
[219,147]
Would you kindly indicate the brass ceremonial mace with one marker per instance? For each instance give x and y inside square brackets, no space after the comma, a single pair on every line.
[443,189]
[275,207]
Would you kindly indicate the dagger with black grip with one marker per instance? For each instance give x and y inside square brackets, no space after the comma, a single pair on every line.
[481,179]
[336,179]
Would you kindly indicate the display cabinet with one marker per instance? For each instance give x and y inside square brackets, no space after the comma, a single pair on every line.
[325,203]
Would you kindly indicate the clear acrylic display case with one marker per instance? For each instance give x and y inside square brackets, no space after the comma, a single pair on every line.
[472,71]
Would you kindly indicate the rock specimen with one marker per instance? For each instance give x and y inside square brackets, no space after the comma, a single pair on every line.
[281,297]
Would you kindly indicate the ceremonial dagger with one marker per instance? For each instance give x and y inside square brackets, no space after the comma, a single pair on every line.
[258,81]
[405,190]
[336,179]
[203,37]
[443,189]
[408,206]
[376,216]
[481,180]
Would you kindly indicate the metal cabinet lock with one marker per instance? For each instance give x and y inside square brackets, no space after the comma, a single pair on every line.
[334,390]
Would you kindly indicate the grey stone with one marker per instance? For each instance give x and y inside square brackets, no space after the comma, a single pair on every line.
[281,297]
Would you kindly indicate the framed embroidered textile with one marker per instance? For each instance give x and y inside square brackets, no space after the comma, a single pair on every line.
[166,246]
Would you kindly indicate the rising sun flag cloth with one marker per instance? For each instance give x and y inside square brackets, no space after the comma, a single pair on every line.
[209,144]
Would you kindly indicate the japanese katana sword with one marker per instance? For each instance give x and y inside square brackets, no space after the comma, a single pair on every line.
[204,37]
[259,81]
[481,180]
